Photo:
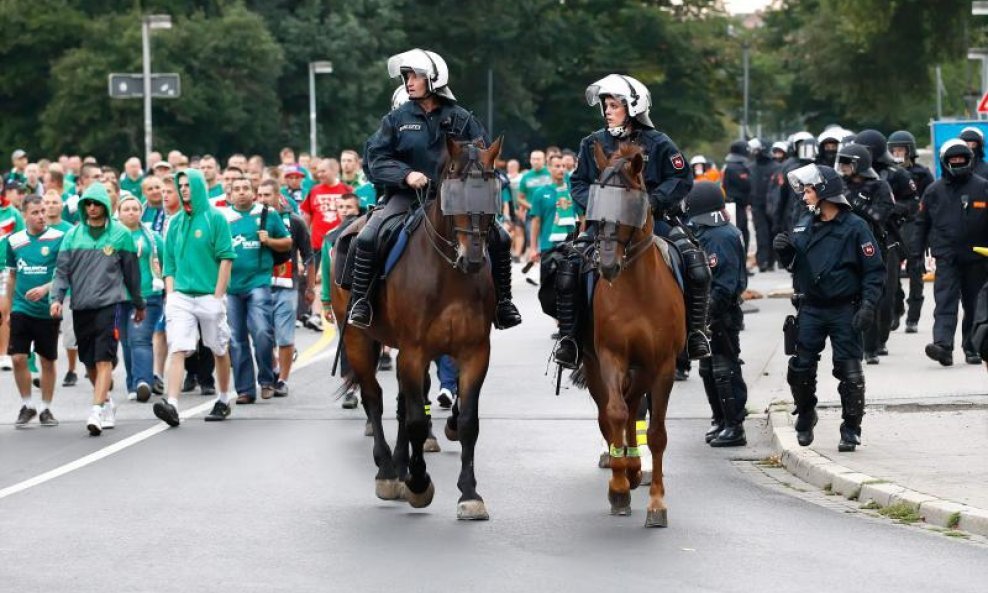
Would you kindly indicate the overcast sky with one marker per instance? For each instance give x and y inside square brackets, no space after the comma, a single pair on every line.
[744,6]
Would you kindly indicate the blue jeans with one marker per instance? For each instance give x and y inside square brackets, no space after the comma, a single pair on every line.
[284,307]
[249,316]
[448,373]
[135,338]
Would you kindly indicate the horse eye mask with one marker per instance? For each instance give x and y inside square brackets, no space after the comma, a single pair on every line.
[609,203]
[473,195]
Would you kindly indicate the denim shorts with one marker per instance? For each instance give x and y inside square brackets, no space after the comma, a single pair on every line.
[285,307]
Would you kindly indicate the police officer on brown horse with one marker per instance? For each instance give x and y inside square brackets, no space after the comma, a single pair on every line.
[624,103]
[403,157]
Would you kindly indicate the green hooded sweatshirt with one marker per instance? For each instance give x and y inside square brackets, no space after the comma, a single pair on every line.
[99,264]
[198,240]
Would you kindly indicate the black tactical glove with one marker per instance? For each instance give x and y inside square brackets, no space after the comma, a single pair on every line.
[864,317]
[782,242]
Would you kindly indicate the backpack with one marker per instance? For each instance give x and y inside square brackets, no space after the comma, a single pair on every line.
[280,257]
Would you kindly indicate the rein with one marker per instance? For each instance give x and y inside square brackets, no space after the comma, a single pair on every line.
[439,243]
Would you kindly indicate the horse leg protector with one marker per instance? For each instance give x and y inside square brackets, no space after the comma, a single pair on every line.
[802,383]
[567,353]
[499,246]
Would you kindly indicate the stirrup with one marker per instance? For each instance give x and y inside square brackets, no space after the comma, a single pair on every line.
[566,364]
[698,353]
[352,320]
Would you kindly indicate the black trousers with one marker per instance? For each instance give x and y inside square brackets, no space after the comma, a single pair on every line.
[764,254]
[956,282]
[878,333]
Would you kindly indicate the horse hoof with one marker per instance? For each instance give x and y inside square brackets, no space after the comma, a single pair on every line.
[368,429]
[388,489]
[451,433]
[431,445]
[657,518]
[620,503]
[472,510]
[605,460]
[422,500]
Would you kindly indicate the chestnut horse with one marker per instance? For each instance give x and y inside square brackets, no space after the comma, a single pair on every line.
[638,328]
[439,299]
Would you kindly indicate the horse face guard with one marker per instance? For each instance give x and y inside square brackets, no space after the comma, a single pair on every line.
[471,197]
[613,204]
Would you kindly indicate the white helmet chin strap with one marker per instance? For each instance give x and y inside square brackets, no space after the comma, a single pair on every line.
[621,131]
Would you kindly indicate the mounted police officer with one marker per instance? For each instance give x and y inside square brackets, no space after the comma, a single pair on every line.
[952,219]
[837,275]
[403,157]
[737,186]
[871,199]
[902,146]
[624,104]
[904,192]
[721,372]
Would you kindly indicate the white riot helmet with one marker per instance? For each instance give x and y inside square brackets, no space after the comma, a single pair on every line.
[635,96]
[425,63]
[399,97]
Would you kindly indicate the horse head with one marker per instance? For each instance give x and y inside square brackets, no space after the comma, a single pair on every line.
[619,205]
[470,198]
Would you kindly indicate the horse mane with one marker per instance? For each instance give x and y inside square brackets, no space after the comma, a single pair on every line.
[626,150]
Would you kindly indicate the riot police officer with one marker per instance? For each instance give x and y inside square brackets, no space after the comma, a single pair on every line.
[762,167]
[975,140]
[737,185]
[721,372]
[871,199]
[403,156]
[952,219]
[790,207]
[829,142]
[902,146]
[837,276]
[624,103]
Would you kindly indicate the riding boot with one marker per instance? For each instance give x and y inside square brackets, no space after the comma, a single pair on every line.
[802,383]
[733,433]
[852,399]
[506,314]
[567,353]
[698,279]
[361,313]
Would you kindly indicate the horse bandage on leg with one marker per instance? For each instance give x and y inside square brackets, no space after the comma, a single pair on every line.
[641,432]
[617,452]
[428,410]
[632,452]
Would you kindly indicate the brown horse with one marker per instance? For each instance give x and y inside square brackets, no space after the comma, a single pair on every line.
[638,328]
[439,299]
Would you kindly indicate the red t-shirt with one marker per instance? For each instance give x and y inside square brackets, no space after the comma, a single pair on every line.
[320,205]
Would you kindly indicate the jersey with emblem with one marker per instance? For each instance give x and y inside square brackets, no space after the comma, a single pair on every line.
[554,206]
[532,181]
[32,258]
[252,268]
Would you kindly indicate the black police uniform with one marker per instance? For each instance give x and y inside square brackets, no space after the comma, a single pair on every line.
[411,139]
[871,199]
[762,167]
[915,260]
[667,180]
[837,268]
[726,390]
[737,186]
[952,219]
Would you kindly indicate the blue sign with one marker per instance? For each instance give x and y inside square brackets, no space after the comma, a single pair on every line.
[942,131]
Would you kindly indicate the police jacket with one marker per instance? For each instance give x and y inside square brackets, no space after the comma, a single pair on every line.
[871,199]
[737,180]
[410,139]
[791,205]
[836,261]
[725,255]
[761,169]
[953,218]
[981,167]
[667,177]
[922,177]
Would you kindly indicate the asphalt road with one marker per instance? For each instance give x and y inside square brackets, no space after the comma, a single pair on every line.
[280,498]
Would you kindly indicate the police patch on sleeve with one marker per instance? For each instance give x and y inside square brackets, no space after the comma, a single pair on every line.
[678,162]
[868,249]
[712,260]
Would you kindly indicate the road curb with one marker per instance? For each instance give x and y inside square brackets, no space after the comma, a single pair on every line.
[824,473]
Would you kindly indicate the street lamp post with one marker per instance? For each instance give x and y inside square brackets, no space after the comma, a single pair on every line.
[148,23]
[315,68]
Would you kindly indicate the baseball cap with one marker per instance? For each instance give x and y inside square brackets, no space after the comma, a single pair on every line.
[292,170]
[19,154]
[162,165]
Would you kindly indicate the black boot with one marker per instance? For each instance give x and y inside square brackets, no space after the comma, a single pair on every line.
[361,313]
[733,433]
[802,384]
[567,353]
[710,388]
[852,399]
[506,314]
[698,278]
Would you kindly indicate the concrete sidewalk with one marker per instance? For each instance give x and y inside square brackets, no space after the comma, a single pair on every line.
[925,433]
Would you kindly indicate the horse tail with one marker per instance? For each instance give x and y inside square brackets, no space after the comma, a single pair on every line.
[579,377]
[350,381]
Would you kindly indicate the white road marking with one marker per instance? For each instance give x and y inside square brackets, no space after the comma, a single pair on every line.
[127,442]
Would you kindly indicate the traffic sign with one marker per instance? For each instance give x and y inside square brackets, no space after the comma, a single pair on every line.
[983,104]
[131,86]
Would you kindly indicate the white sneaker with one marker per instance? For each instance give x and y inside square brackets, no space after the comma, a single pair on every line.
[132,396]
[108,416]
[94,424]
[5,363]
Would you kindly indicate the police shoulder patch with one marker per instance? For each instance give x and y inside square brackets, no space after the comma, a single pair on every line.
[678,162]
[868,249]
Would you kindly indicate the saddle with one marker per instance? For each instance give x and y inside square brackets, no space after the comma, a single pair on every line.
[390,243]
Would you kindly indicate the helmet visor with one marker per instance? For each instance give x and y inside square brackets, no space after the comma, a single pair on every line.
[803,177]
[807,151]
[415,60]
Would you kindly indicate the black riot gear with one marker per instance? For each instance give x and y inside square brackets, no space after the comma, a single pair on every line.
[859,158]
[903,139]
